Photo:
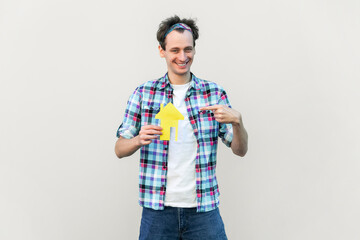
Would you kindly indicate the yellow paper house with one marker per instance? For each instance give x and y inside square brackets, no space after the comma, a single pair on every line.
[169,117]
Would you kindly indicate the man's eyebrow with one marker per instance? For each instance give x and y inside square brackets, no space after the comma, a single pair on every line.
[177,48]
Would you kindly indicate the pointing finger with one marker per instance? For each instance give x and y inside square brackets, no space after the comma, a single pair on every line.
[213,107]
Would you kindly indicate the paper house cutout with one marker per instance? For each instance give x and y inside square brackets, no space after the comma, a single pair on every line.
[169,117]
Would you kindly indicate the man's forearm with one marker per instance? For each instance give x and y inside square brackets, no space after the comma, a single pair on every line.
[126,147]
[239,144]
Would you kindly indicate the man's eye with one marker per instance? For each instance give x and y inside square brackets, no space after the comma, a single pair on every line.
[188,50]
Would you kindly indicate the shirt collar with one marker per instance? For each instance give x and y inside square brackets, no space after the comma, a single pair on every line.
[195,82]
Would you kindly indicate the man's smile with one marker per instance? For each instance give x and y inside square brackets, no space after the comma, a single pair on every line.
[182,64]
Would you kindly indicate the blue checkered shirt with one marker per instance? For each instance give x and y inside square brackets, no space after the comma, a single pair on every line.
[141,109]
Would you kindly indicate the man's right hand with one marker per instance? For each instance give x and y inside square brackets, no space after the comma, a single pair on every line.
[149,132]
[126,147]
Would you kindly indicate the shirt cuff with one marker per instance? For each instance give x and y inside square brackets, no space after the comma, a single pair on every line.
[126,132]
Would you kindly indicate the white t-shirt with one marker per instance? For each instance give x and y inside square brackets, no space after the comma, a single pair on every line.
[181,180]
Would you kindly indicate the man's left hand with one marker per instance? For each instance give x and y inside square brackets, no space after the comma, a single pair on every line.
[224,114]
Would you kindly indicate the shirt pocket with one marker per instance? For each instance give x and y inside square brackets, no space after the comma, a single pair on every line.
[208,126]
[148,113]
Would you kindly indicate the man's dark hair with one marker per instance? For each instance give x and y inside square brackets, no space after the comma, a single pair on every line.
[166,25]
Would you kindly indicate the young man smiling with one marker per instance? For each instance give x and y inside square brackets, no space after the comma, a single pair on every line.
[178,189]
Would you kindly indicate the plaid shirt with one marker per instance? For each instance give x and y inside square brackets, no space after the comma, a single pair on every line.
[141,109]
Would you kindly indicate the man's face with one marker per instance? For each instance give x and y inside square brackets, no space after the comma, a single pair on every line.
[179,52]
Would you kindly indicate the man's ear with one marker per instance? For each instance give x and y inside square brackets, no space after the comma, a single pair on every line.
[161,51]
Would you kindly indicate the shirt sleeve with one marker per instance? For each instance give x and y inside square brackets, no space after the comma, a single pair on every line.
[131,124]
[225,129]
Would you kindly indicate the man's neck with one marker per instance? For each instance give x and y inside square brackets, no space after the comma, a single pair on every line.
[179,79]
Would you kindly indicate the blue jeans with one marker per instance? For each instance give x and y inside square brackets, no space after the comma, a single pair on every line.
[181,224]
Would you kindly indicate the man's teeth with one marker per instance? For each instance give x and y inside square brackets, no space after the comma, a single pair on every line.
[182,64]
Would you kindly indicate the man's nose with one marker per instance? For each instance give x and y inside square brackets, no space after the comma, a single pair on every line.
[182,56]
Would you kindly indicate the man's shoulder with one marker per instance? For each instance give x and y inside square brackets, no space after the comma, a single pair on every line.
[151,84]
[209,85]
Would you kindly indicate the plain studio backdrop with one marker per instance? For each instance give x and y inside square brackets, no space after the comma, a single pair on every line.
[290,67]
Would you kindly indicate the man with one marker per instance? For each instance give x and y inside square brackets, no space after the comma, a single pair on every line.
[178,187]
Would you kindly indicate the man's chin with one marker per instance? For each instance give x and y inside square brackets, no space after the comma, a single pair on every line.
[182,73]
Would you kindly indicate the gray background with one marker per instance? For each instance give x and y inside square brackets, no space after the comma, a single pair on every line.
[290,67]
